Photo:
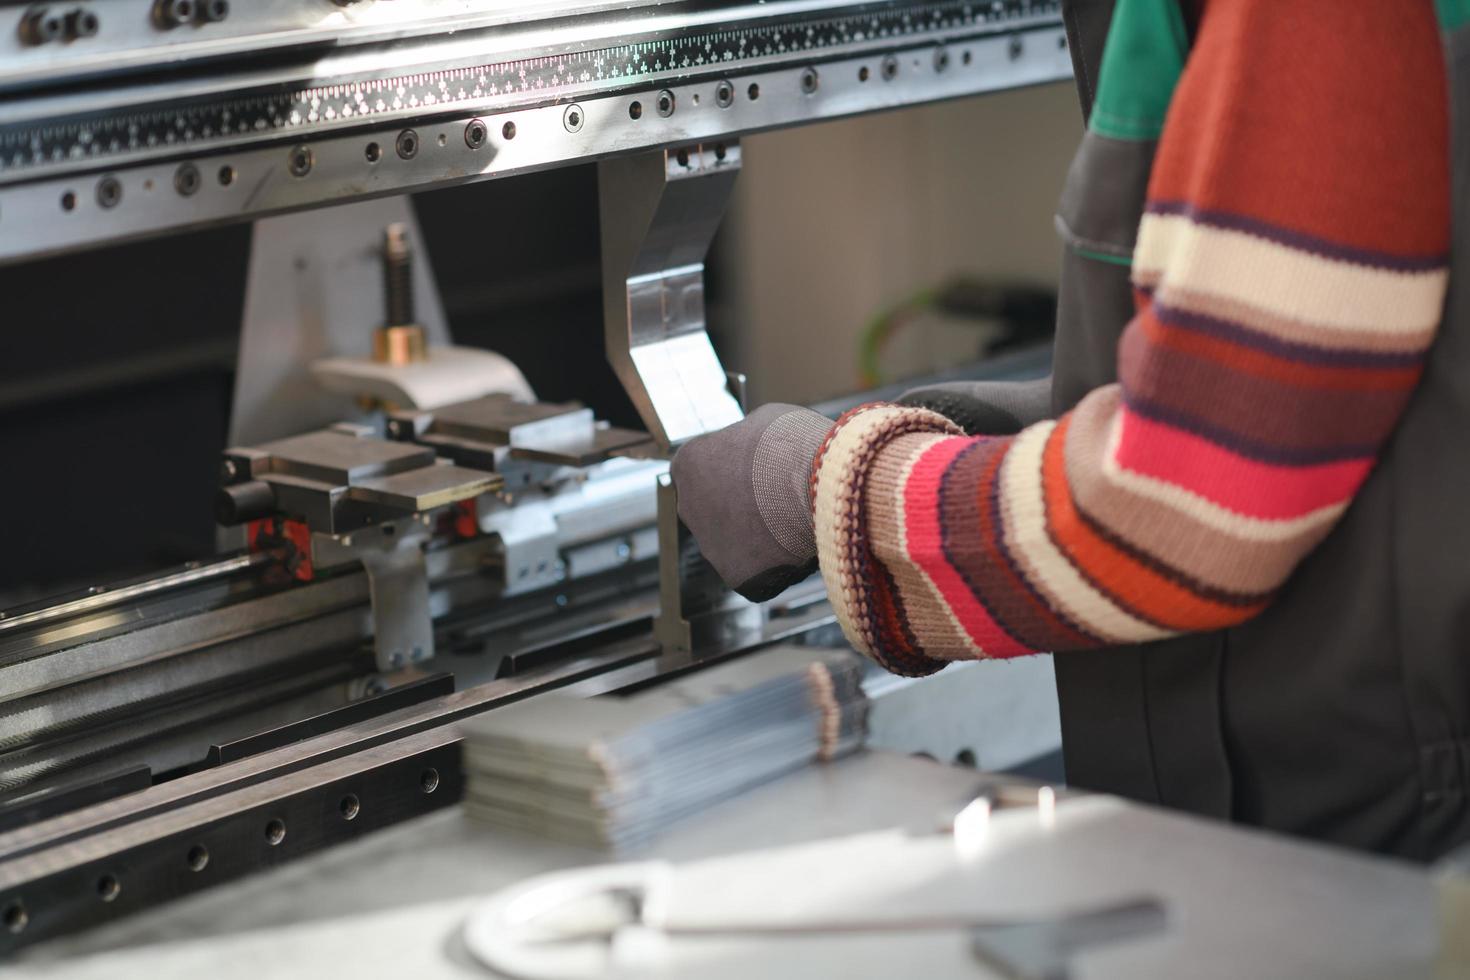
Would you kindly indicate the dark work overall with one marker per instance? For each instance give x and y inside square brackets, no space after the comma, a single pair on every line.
[1343,711]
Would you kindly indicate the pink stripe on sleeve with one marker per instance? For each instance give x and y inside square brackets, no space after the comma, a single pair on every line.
[926,549]
[1245,486]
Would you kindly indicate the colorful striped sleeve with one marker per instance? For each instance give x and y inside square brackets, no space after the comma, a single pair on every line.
[1289,274]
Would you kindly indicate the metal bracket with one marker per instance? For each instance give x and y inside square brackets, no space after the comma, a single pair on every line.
[698,616]
[398,585]
[659,213]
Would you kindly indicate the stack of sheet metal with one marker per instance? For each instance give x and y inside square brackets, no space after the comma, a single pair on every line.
[612,770]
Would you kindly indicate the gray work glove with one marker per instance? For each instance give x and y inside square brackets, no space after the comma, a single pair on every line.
[986,408]
[744,493]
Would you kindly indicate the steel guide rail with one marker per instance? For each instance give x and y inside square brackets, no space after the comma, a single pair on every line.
[126,854]
[259,142]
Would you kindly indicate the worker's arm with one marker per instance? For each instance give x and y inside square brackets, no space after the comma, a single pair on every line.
[1290,271]
[986,408]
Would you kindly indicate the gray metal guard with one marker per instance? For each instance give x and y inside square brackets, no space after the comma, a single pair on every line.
[659,214]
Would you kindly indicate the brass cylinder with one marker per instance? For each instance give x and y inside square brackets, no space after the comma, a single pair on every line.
[403,344]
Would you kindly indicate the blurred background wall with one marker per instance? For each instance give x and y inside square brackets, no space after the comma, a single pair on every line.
[833,223]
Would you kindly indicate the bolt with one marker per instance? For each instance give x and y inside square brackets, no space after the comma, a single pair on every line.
[41,25]
[809,80]
[724,95]
[213,11]
[561,601]
[665,103]
[82,22]
[186,179]
[407,144]
[397,275]
[573,118]
[889,69]
[109,191]
[300,161]
[475,133]
[172,13]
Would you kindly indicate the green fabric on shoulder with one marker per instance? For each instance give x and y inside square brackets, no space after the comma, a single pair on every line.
[1142,61]
[1453,14]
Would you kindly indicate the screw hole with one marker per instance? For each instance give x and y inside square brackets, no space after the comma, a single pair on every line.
[683,157]
[889,69]
[407,144]
[275,832]
[186,179]
[109,192]
[863,73]
[226,175]
[665,103]
[966,57]
[108,888]
[300,161]
[429,781]
[635,110]
[197,858]
[373,152]
[474,134]
[68,201]
[720,151]
[809,80]
[724,95]
[753,92]
[16,917]
[350,807]
[508,130]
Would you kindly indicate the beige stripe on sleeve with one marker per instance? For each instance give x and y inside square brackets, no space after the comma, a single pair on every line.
[929,617]
[1023,513]
[1177,253]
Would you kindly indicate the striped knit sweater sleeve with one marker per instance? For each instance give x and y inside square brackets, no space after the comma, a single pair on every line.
[1289,273]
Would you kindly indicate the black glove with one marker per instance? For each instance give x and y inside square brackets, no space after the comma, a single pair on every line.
[986,408]
[744,493]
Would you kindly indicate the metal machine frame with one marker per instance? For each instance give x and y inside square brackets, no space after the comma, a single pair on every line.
[126,119]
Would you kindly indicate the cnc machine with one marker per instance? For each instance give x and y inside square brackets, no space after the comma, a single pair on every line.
[408,534]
